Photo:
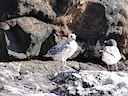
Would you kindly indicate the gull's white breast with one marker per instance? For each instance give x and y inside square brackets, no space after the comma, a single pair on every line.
[67,52]
[111,55]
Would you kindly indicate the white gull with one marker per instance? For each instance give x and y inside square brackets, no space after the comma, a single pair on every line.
[111,54]
[61,52]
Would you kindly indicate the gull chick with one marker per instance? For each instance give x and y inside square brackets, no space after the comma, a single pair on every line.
[61,52]
[111,54]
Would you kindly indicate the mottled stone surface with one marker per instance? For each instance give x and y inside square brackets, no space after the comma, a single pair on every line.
[25,37]
[50,78]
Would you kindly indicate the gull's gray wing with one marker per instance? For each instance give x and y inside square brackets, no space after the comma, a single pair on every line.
[112,50]
[57,49]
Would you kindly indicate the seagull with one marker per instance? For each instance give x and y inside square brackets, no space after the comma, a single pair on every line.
[63,51]
[111,54]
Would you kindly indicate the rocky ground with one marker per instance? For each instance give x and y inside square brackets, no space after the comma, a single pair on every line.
[51,78]
[28,28]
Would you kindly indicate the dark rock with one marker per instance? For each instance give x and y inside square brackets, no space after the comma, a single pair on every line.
[3,51]
[90,25]
[8,9]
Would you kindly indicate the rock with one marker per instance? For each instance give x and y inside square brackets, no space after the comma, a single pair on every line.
[37,8]
[83,21]
[53,3]
[8,9]
[3,51]
[88,83]
[16,8]
[26,36]
[42,78]
[32,77]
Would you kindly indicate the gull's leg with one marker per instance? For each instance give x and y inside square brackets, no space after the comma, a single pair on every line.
[108,67]
[62,61]
[116,66]
[65,64]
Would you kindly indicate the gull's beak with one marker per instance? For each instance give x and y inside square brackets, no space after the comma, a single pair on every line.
[105,42]
[73,38]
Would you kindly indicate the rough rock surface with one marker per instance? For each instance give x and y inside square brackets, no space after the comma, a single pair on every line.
[92,21]
[50,78]
[92,83]
[17,8]
[25,37]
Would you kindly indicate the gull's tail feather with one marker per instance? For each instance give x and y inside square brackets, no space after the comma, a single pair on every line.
[47,55]
[101,51]
[123,57]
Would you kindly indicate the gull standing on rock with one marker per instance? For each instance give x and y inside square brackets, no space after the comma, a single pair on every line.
[111,54]
[61,52]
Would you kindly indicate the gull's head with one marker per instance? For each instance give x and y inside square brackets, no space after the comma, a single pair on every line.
[72,37]
[111,42]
